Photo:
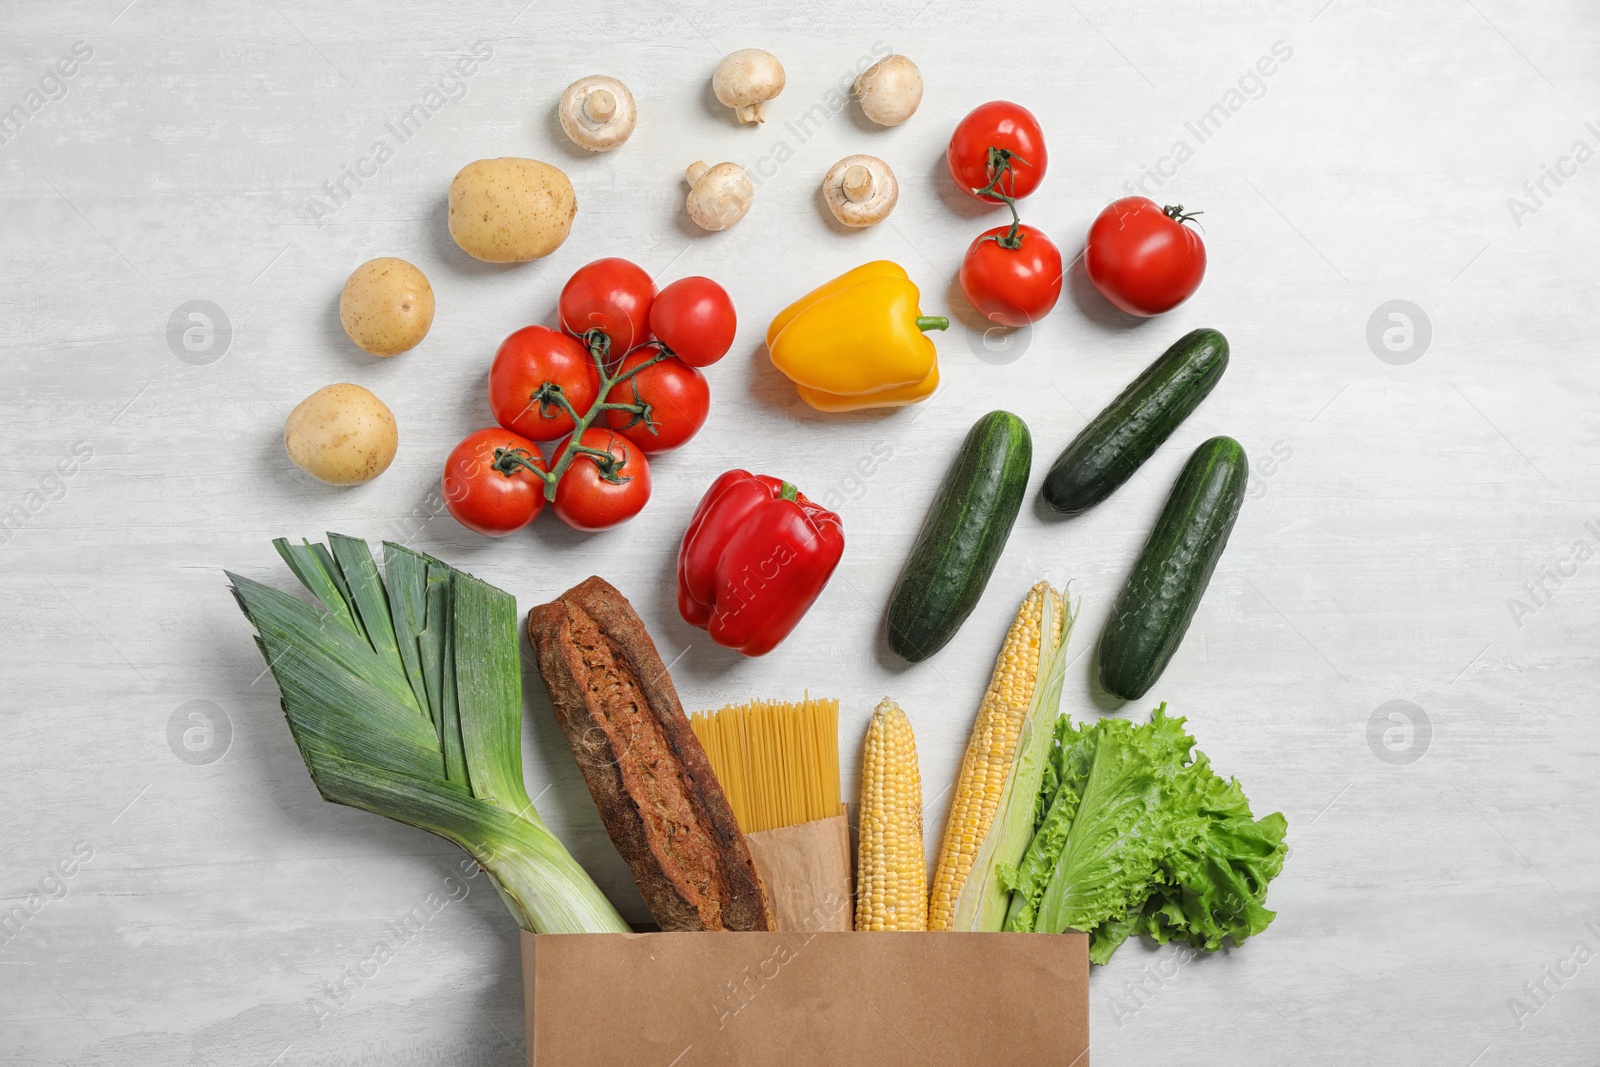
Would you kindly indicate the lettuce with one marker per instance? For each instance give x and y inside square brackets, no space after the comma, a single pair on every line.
[1139,835]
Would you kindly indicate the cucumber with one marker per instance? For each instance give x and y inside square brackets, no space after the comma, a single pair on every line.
[1108,450]
[962,537]
[1156,605]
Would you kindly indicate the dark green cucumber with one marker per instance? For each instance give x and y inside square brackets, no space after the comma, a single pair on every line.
[1156,605]
[1108,450]
[962,537]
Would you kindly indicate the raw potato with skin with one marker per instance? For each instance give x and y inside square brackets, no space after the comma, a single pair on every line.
[341,434]
[511,210]
[386,307]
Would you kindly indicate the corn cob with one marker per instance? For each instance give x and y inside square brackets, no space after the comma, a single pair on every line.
[892,874]
[991,748]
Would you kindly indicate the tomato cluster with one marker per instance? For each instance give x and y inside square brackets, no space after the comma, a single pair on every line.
[619,382]
[1010,274]
[1141,256]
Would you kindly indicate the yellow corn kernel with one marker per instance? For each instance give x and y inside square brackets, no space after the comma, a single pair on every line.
[990,750]
[892,873]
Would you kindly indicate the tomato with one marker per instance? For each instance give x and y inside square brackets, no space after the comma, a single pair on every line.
[998,136]
[527,360]
[485,486]
[676,394]
[1142,257]
[694,317]
[586,499]
[1012,286]
[613,296]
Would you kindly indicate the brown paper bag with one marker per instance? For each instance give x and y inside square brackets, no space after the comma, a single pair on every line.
[807,872]
[806,1000]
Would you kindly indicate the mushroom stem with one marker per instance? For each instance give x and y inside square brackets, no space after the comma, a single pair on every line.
[749,113]
[599,106]
[857,184]
[695,172]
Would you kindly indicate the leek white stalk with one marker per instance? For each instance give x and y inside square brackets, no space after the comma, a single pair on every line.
[404,695]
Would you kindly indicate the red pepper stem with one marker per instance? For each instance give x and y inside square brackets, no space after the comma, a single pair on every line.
[932,322]
[788,491]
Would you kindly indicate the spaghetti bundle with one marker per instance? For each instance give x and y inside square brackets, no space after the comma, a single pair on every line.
[778,762]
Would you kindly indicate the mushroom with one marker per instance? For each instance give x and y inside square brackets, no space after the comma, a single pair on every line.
[719,196]
[860,190]
[745,80]
[597,112]
[890,90]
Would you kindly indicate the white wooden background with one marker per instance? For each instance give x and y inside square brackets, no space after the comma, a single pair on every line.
[1444,862]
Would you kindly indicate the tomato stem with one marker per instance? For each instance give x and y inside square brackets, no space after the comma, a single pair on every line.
[999,169]
[550,394]
[510,460]
[1176,213]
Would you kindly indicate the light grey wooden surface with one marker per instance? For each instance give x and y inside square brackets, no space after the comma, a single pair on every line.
[1445,862]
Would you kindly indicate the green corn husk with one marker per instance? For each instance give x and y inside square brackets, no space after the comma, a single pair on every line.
[985,897]
[404,695]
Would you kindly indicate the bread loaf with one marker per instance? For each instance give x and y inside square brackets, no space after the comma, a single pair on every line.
[650,778]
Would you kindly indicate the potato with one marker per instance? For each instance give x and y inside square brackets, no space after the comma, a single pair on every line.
[341,434]
[510,210]
[386,306]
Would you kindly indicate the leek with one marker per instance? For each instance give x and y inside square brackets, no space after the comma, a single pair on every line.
[404,695]
[985,897]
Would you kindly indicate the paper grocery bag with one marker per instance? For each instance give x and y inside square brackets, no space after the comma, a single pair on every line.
[806,1000]
[806,869]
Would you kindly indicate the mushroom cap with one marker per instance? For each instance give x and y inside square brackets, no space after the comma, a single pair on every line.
[748,76]
[578,118]
[890,90]
[866,207]
[719,196]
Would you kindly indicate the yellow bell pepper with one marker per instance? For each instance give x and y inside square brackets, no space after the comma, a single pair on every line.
[858,342]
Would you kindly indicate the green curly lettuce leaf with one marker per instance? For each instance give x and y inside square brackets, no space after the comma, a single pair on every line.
[1140,835]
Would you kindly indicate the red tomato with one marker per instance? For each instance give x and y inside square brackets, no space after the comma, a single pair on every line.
[675,393]
[1012,286]
[527,360]
[613,296]
[587,499]
[487,485]
[993,135]
[1142,257]
[694,317]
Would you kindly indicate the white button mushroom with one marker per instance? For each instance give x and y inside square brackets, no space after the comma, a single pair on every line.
[890,90]
[597,112]
[860,190]
[719,196]
[747,79]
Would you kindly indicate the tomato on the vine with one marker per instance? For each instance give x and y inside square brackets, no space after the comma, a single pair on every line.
[596,493]
[488,484]
[1142,257]
[1000,143]
[613,296]
[676,399]
[524,363]
[1012,278]
[694,317]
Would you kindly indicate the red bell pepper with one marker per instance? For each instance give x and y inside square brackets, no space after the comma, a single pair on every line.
[754,560]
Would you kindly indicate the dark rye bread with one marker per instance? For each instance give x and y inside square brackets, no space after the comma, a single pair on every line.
[650,778]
